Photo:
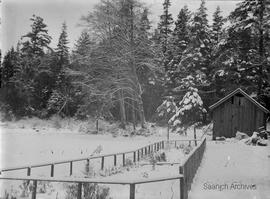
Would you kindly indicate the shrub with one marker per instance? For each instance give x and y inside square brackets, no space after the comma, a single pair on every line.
[129,162]
[157,157]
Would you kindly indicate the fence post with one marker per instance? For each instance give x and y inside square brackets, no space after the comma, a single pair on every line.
[52,170]
[70,168]
[114,160]
[132,191]
[124,160]
[145,150]
[28,171]
[138,155]
[102,162]
[182,183]
[34,191]
[79,194]
[87,165]
[134,156]
[195,137]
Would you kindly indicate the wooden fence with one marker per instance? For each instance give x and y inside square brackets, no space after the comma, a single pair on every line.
[80,181]
[187,170]
[137,155]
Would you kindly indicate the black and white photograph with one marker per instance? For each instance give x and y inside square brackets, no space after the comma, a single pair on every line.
[134,99]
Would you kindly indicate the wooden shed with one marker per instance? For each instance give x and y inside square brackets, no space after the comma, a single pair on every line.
[237,112]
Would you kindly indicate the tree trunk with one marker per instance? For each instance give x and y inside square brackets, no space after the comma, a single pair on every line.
[261,48]
[141,111]
[168,132]
[134,72]
[97,125]
[195,136]
[122,109]
[133,114]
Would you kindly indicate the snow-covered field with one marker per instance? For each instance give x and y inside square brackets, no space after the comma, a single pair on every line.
[33,141]
[233,165]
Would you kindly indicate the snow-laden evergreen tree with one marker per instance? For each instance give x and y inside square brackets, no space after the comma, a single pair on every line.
[190,109]
[166,111]
[218,37]
[181,31]
[196,58]
[246,54]
[180,40]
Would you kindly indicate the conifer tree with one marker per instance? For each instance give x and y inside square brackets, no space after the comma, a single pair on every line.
[217,27]
[62,98]
[9,65]
[180,41]
[144,25]
[38,39]
[218,36]
[189,112]
[246,54]
[197,56]
[166,110]
[165,31]
[181,31]
[9,95]
[83,44]
[62,48]
[30,80]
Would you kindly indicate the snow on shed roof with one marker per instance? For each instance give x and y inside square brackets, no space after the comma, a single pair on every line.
[239,90]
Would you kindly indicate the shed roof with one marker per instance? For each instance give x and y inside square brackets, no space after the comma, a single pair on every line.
[239,90]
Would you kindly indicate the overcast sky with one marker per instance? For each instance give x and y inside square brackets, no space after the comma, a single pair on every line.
[16,15]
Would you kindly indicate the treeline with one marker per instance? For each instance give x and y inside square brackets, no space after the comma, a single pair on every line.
[122,68]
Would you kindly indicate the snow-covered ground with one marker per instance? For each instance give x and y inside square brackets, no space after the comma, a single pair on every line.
[233,165]
[34,141]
